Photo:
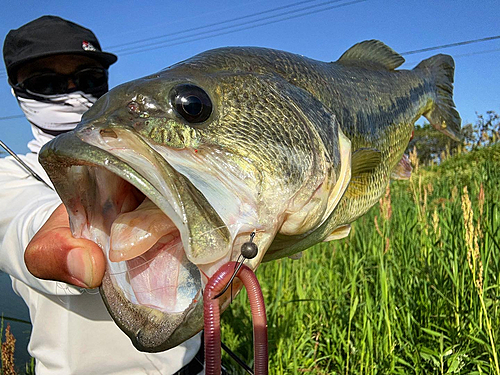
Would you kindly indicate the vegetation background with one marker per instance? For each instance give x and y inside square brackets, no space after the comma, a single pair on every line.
[414,289]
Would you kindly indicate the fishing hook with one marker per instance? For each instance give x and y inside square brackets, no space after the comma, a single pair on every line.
[249,250]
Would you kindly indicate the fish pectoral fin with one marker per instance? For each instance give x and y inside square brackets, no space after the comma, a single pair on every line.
[365,160]
[338,233]
[402,171]
[371,53]
[363,163]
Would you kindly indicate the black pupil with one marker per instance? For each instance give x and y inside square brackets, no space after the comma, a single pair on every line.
[191,102]
[192,105]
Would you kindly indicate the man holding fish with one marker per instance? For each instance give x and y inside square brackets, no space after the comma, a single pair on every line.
[171,173]
[57,70]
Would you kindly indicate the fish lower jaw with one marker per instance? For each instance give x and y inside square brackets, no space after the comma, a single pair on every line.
[152,289]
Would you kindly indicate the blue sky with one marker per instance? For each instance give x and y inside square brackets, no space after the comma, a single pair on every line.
[323,35]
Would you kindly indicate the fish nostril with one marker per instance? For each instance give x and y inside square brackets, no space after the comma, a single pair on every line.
[108,133]
[133,107]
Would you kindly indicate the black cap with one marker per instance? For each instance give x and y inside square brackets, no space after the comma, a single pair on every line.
[47,36]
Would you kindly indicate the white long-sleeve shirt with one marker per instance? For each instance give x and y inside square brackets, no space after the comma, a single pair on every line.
[72,331]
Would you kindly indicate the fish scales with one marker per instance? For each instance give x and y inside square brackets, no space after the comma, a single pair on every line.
[347,91]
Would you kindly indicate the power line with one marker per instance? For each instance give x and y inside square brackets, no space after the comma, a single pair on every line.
[415,51]
[482,52]
[477,53]
[211,24]
[216,29]
[443,46]
[193,39]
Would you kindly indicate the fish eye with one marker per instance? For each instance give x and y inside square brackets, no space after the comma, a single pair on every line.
[191,102]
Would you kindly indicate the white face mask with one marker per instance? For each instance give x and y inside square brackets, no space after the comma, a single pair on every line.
[56,112]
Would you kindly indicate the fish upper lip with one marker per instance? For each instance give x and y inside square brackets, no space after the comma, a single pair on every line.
[184,204]
[85,153]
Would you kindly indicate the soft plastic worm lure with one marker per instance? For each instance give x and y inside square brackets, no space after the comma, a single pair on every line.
[215,288]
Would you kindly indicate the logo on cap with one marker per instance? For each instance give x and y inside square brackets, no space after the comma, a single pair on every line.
[87,46]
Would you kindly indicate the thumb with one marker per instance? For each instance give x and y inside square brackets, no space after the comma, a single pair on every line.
[54,254]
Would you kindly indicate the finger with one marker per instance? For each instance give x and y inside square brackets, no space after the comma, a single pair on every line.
[54,254]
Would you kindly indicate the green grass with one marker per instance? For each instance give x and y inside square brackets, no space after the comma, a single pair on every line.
[403,294]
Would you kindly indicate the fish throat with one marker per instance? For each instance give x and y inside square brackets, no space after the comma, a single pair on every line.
[147,259]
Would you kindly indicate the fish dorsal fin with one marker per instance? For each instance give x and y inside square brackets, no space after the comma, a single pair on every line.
[364,160]
[371,53]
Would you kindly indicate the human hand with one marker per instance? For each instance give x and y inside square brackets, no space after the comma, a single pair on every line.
[54,254]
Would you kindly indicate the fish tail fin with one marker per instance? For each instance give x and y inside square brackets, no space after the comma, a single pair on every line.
[442,115]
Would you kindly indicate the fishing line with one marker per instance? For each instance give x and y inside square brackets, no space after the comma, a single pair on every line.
[24,165]
[92,291]
[144,291]
[249,250]
[237,359]
[216,228]
[211,317]
[69,290]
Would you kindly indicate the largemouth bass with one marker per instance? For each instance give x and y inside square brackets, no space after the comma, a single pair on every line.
[171,173]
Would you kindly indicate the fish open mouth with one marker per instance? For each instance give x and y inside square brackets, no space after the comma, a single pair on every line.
[162,277]
[161,238]
[150,285]
[147,261]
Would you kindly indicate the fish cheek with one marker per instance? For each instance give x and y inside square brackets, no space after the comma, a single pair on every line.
[168,132]
[257,123]
[262,127]
[295,142]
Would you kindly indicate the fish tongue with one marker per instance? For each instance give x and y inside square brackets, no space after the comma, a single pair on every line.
[154,275]
[133,233]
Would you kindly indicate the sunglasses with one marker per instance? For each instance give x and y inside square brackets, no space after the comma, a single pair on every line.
[88,80]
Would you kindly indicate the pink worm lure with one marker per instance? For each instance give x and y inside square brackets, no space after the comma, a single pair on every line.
[212,318]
